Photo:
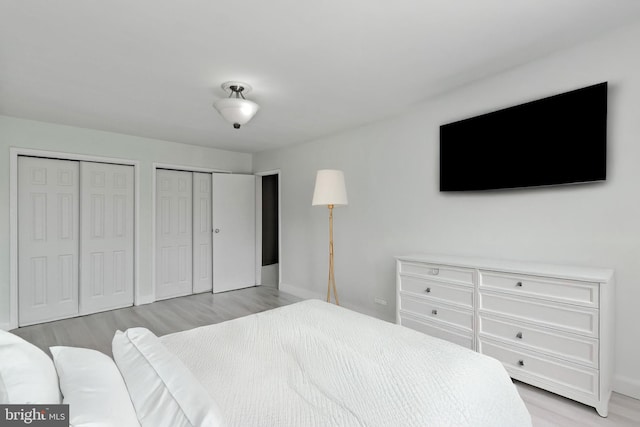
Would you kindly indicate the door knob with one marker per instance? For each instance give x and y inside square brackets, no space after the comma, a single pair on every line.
[217,230]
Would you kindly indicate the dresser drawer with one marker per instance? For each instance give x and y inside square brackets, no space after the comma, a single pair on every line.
[461,295]
[571,347]
[528,364]
[438,312]
[567,318]
[569,291]
[437,330]
[439,272]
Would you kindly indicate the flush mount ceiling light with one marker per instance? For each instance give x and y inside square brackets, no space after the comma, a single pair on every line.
[236,109]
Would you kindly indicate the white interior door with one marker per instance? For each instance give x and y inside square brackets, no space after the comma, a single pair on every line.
[202,245]
[106,236]
[234,238]
[174,233]
[48,192]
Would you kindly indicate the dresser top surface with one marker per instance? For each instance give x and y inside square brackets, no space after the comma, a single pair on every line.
[590,274]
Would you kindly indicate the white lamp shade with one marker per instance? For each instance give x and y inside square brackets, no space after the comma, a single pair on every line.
[330,188]
[236,110]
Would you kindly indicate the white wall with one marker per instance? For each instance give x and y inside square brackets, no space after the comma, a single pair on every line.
[391,170]
[45,136]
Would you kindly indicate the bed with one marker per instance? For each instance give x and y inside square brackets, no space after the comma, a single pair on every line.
[306,364]
[317,364]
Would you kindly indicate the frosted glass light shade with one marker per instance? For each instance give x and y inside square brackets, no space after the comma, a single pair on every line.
[330,188]
[236,110]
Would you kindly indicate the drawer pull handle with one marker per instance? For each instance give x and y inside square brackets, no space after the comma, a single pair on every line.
[428,290]
[434,312]
[519,284]
[521,362]
[435,271]
[519,335]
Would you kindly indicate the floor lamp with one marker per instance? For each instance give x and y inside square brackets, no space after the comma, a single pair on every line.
[330,191]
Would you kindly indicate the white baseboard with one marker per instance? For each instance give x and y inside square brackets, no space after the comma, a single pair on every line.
[6,326]
[626,386]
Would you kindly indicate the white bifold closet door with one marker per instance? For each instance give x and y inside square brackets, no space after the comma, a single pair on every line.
[174,233]
[75,238]
[106,236]
[234,238]
[188,259]
[48,237]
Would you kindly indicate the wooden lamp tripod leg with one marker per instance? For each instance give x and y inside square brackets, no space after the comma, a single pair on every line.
[331,284]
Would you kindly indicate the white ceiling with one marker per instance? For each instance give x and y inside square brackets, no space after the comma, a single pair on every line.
[154,67]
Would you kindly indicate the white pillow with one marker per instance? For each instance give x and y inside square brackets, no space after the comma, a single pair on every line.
[26,372]
[164,392]
[93,387]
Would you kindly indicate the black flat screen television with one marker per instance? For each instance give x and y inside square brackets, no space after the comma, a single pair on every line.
[561,139]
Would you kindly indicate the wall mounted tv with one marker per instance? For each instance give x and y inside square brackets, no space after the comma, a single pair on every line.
[557,140]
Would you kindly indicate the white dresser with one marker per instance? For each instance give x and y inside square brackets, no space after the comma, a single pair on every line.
[550,325]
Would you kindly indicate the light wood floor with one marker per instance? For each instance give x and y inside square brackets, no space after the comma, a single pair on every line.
[165,317]
[548,409]
[162,317]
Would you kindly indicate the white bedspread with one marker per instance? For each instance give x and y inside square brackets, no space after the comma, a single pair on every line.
[315,364]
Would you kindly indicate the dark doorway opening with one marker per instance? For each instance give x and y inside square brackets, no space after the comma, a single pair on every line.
[270,230]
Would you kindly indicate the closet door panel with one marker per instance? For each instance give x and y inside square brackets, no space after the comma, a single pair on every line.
[202,245]
[48,239]
[174,233]
[234,241]
[106,236]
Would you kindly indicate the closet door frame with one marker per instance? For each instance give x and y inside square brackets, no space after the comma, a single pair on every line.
[14,153]
[154,169]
